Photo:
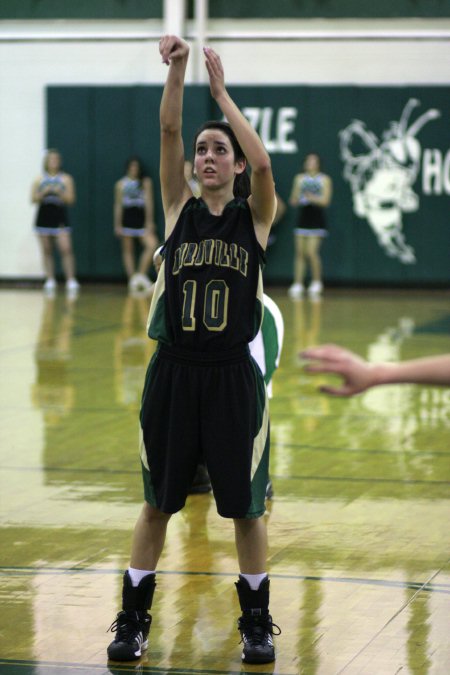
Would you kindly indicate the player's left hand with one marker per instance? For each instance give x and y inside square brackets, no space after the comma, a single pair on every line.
[215,72]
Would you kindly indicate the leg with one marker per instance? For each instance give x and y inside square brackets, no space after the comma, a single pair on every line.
[46,244]
[133,623]
[300,259]
[64,241]
[251,544]
[150,244]
[255,623]
[296,290]
[128,256]
[313,248]
[149,537]
[316,286]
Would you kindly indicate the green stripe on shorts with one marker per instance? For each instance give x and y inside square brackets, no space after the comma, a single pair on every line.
[261,450]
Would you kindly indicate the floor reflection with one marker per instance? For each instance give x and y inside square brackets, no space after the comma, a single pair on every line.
[358,524]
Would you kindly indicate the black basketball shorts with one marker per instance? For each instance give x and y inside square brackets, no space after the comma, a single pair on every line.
[210,407]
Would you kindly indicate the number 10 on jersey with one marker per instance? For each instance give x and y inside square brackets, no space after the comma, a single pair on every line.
[215,305]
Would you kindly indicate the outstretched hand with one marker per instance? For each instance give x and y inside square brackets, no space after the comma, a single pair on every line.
[172,48]
[215,72]
[357,373]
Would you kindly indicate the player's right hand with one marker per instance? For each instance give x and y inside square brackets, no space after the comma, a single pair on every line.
[172,48]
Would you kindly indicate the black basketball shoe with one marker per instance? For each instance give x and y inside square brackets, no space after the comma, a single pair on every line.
[132,624]
[256,628]
[255,624]
[131,630]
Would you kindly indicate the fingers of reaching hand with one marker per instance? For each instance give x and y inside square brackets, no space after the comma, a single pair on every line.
[337,391]
[325,366]
[325,353]
[213,62]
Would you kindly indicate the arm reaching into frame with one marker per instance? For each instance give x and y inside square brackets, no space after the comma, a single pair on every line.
[359,375]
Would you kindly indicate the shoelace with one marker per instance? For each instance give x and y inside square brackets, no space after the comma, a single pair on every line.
[259,627]
[126,628]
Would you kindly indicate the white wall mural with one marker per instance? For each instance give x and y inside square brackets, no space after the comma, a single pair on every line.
[382,173]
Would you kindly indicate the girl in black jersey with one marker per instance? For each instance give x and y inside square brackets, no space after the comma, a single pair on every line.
[204,394]
[54,191]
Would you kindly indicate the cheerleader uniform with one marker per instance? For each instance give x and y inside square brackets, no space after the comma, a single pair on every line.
[51,216]
[311,217]
[133,208]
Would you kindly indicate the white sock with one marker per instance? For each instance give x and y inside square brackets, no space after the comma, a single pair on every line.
[254,580]
[136,575]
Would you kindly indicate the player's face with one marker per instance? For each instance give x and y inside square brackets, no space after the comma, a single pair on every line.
[312,163]
[53,162]
[214,161]
[133,169]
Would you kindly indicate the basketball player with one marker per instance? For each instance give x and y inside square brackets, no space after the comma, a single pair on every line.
[203,392]
[134,221]
[54,191]
[265,348]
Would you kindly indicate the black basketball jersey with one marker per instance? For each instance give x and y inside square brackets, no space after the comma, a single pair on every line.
[208,295]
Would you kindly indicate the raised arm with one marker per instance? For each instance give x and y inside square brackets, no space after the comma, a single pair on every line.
[262,200]
[174,190]
[359,375]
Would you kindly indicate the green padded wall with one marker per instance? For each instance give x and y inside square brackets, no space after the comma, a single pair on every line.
[387,150]
[151,9]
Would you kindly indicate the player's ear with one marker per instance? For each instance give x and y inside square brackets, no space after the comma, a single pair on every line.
[240,165]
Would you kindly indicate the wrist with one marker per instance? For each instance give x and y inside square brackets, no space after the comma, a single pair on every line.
[222,97]
[381,373]
[180,62]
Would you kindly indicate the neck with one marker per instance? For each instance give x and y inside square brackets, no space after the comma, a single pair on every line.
[216,200]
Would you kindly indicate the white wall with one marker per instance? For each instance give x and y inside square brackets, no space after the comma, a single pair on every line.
[31,58]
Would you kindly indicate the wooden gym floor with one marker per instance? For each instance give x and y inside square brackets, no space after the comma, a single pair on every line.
[358,527]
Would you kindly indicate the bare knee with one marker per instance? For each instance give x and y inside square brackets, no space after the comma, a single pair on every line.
[153,515]
[248,525]
[127,245]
